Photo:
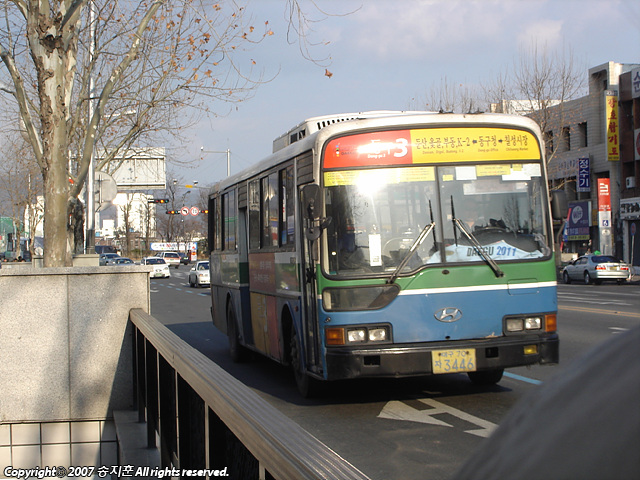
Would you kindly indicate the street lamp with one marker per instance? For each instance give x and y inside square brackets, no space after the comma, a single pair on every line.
[227,151]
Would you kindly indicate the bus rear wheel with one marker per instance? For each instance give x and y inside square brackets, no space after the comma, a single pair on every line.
[307,386]
[486,377]
[237,352]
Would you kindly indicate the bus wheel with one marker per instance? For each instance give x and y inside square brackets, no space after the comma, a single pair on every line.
[486,377]
[236,350]
[307,386]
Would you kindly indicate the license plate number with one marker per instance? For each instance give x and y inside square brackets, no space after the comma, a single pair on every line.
[453,361]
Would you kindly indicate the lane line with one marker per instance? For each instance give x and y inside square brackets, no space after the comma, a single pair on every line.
[533,381]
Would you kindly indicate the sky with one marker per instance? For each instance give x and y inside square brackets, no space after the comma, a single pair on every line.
[386,55]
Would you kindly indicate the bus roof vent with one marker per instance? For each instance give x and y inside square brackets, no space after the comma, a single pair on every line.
[314,124]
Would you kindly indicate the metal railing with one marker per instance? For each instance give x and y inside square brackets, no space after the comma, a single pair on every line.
[200,417]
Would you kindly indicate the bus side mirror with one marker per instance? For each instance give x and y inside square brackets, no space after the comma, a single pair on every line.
[311,202]
[559,205]
[312,199]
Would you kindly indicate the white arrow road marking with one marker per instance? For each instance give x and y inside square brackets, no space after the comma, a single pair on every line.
[618,330]
[395,410]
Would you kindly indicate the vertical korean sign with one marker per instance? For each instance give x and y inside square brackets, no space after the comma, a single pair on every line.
[584,176]
[635,93]
[635,83]
[612,124]
[604,216]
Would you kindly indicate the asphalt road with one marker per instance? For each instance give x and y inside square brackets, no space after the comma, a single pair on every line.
[402,429]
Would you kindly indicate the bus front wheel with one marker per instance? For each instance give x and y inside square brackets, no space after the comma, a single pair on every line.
[307,386]
[486,377]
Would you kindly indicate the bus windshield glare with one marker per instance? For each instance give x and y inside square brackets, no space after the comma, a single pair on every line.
[378,214]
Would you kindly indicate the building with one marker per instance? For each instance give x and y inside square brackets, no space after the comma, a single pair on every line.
[593,151]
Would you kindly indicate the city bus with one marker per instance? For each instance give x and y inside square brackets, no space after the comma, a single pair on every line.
[390,244]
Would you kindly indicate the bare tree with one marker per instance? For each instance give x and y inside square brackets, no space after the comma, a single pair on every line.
[111,78]
[448,96]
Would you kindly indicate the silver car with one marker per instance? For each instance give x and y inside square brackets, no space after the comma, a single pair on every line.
[595,269]
[199,274]
[106,257]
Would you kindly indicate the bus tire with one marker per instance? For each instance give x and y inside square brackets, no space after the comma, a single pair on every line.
[486,377]
[237,352]
[307,386]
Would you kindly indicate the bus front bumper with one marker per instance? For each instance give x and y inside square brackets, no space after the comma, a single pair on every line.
[416,359]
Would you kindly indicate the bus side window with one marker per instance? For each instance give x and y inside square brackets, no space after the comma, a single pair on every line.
[218,223]
[287,228]
[254,215]
[270,214]
[229,200]
[211,225]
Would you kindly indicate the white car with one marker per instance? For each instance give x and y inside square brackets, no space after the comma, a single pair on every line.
[160,267]
[199,274]
[172,258]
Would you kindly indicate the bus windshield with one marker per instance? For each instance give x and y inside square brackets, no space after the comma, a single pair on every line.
[379,213]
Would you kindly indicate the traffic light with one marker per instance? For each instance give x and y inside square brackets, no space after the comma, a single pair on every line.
[204,211]
[173,212]
[159,200]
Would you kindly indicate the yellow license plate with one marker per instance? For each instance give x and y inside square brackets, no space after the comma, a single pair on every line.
[453,361]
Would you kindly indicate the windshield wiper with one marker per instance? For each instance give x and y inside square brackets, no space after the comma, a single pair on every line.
[414,246]
[474,241]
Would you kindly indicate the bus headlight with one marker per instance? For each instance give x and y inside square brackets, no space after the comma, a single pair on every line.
[532,323]
[353,335]
[377,334]
[523,324]
[357,336]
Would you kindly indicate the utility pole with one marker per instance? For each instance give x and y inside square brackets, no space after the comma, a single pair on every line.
[227,151]
[90,213]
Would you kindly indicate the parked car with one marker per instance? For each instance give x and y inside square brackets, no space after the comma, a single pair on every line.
[199,274]
[160,267]
[120,261]
[172,258]
[105,257]
[596,268]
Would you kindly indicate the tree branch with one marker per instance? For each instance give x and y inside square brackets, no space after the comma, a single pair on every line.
[23,103]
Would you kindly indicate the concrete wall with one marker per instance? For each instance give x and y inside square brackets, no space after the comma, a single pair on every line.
[65,348]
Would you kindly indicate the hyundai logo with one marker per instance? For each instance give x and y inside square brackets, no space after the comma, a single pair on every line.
[448,315]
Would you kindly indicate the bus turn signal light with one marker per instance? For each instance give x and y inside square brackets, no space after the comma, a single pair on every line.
[335,336]
[550,323]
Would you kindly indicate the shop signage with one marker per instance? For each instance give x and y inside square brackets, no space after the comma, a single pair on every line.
[612,125]
[584,176]
[635,83]
[604,203]
[578,221]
